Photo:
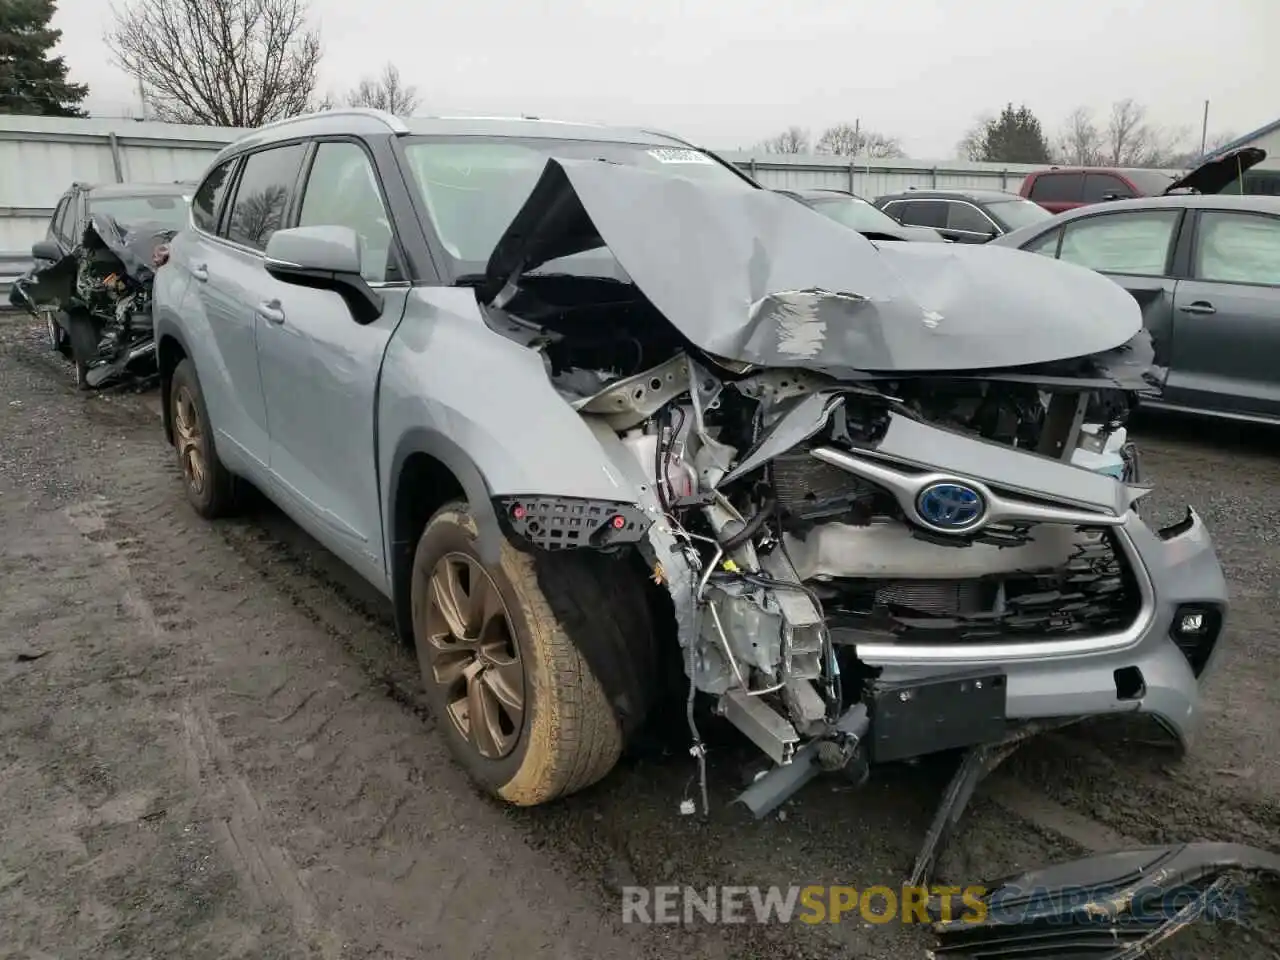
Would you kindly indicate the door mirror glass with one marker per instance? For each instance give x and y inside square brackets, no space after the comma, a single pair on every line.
[324,258]
[46,250]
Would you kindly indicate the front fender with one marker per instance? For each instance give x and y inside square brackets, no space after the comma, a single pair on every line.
[482,405]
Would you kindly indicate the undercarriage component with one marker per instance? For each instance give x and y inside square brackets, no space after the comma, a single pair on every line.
[764,726]
[1116,906]
[978,762]
[841,751]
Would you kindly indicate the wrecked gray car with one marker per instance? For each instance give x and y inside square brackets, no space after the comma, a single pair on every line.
[575,398]
[99,297]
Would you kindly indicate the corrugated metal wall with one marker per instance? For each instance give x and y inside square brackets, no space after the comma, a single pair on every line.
[41,156]
[874,178]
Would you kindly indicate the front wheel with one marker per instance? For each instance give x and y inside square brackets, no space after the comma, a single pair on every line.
[521,709]
[210,486]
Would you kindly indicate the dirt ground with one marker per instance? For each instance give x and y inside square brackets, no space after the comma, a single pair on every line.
[212,746]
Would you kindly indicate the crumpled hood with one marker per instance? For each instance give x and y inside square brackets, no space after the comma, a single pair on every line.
[752,276]
[134,248]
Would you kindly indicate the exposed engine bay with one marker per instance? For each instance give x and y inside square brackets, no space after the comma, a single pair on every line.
[100,294]
[865,485]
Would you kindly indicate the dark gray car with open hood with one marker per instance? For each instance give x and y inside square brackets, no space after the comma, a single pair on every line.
[1204,268]
[585,403]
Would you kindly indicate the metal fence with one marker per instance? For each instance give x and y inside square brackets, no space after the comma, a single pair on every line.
[41,156]
[11,268]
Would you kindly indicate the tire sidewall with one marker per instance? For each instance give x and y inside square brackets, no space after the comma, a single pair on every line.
[453,531]
[184,378]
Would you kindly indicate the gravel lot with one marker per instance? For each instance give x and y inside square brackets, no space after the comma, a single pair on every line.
[212,746]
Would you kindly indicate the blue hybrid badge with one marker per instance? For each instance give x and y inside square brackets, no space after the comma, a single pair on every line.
[950,506]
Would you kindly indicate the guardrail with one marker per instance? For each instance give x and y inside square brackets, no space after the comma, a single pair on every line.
[11,268]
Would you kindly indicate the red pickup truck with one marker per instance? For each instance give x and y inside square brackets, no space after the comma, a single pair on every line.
[1064,188]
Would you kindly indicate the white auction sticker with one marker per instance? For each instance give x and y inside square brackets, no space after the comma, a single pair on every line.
[678,155]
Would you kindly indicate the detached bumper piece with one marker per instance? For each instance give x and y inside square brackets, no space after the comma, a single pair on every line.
[1119,906]
[563,523]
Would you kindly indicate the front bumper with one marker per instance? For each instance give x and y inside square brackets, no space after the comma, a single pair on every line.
[1144,670]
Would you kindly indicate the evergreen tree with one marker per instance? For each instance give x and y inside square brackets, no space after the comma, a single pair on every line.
[31,81]
[1013,137]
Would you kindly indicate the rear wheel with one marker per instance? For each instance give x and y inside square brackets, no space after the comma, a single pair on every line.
[519,705]
[210,486]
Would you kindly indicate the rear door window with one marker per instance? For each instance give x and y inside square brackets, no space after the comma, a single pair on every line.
[262,199]
[1237,248]
[208,199]
[1105,186]
[1058,187]
[924,213]
[1136,243]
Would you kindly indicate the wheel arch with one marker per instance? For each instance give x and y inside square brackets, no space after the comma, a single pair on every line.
[170,351]
[427,471]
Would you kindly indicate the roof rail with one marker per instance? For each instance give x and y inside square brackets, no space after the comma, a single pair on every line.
[394,124]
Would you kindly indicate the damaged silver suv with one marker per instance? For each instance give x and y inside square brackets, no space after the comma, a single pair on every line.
[577,398]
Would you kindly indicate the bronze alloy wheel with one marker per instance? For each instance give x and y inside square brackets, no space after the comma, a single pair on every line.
[189,438]
[474,657]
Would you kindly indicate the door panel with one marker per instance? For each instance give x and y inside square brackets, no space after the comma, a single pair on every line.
[1227,317]
[319,375]
[225,275]
[320,368]
[1135,249]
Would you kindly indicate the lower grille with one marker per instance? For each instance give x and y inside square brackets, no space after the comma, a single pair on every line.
[1094,593]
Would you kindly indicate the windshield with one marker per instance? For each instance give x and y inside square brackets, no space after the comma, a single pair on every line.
[474,186]
[167,209]
[856,213]
[1017,213]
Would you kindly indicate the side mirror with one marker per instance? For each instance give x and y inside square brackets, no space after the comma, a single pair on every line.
[46,250]
[324,258]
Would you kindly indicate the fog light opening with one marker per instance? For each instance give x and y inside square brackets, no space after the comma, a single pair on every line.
[1195,630]
[1191,624]
[1130,684]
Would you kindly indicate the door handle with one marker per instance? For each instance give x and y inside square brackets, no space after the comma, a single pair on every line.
[1200,306]
[200,271]
[269,310]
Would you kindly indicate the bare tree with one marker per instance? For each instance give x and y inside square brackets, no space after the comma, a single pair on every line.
[1127,134]
[235,63]
[973,145]
[1080,142]
[387,93]
[791,140]
[850,140]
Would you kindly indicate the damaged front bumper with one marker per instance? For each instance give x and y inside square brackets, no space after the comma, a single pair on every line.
[1154,667]
[1118,906]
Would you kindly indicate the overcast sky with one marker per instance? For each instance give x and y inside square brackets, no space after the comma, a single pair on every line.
[728,73]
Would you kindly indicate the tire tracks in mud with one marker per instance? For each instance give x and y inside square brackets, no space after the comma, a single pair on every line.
[265,870]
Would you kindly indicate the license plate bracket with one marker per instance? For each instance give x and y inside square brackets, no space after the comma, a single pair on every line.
[913,718]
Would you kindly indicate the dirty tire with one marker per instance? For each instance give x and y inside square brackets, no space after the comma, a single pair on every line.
[215,495]
[570,736]
[83,342]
